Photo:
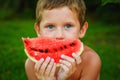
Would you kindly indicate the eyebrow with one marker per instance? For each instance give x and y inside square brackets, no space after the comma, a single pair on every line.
[49,22]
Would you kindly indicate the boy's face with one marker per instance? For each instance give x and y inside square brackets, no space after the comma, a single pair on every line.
[59,23]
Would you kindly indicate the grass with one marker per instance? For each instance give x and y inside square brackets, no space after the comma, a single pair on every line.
[103,38]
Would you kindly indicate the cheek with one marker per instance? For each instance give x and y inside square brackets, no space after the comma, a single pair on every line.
[45,33]
[75,34]
[72,34]
[76,31]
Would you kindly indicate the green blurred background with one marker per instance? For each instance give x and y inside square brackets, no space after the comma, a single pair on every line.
[17,18]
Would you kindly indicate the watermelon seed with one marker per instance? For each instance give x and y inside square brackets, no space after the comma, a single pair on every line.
[41,50]
[65,46]
[46,50]
[72,44]
[61,48]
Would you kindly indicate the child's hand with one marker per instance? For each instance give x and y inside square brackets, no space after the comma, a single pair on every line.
[68,66]
[45,70]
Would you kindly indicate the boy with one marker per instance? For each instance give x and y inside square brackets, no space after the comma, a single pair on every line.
[63,19]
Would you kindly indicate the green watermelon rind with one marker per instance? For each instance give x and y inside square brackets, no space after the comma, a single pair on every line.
[34,60]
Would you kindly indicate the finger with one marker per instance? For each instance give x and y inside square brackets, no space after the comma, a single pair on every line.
[49,68]
[68,64]
[77,58]
[65,68]
[44,65]
[38,64]
[53,70]
[71,60]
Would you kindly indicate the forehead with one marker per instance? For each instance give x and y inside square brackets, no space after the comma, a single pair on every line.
[59,13]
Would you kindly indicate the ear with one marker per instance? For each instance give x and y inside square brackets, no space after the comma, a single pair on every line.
[37,29]
[83,30]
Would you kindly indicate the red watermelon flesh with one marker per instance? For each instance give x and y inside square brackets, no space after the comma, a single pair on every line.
[37,48]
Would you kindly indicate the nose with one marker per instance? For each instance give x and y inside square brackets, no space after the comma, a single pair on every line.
[59,34]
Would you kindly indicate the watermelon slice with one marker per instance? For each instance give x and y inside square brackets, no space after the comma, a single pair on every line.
[36,48]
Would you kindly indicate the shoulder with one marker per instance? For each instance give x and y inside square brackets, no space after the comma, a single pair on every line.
[90,56]
[91,63]
[29,68]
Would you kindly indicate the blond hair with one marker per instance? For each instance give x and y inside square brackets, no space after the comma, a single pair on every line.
[77,5]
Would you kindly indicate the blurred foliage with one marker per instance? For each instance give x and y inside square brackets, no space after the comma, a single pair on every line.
[110,1]
[17,8]
[100,9]
[92,4]
[109,13]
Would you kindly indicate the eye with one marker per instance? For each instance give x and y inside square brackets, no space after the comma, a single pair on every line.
[50,26]
[68,26]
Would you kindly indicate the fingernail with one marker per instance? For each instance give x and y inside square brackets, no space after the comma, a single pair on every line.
[48,58]
[62,56]
[52,60]
[54,64]
[42,59]
[73,54]
[60,61]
